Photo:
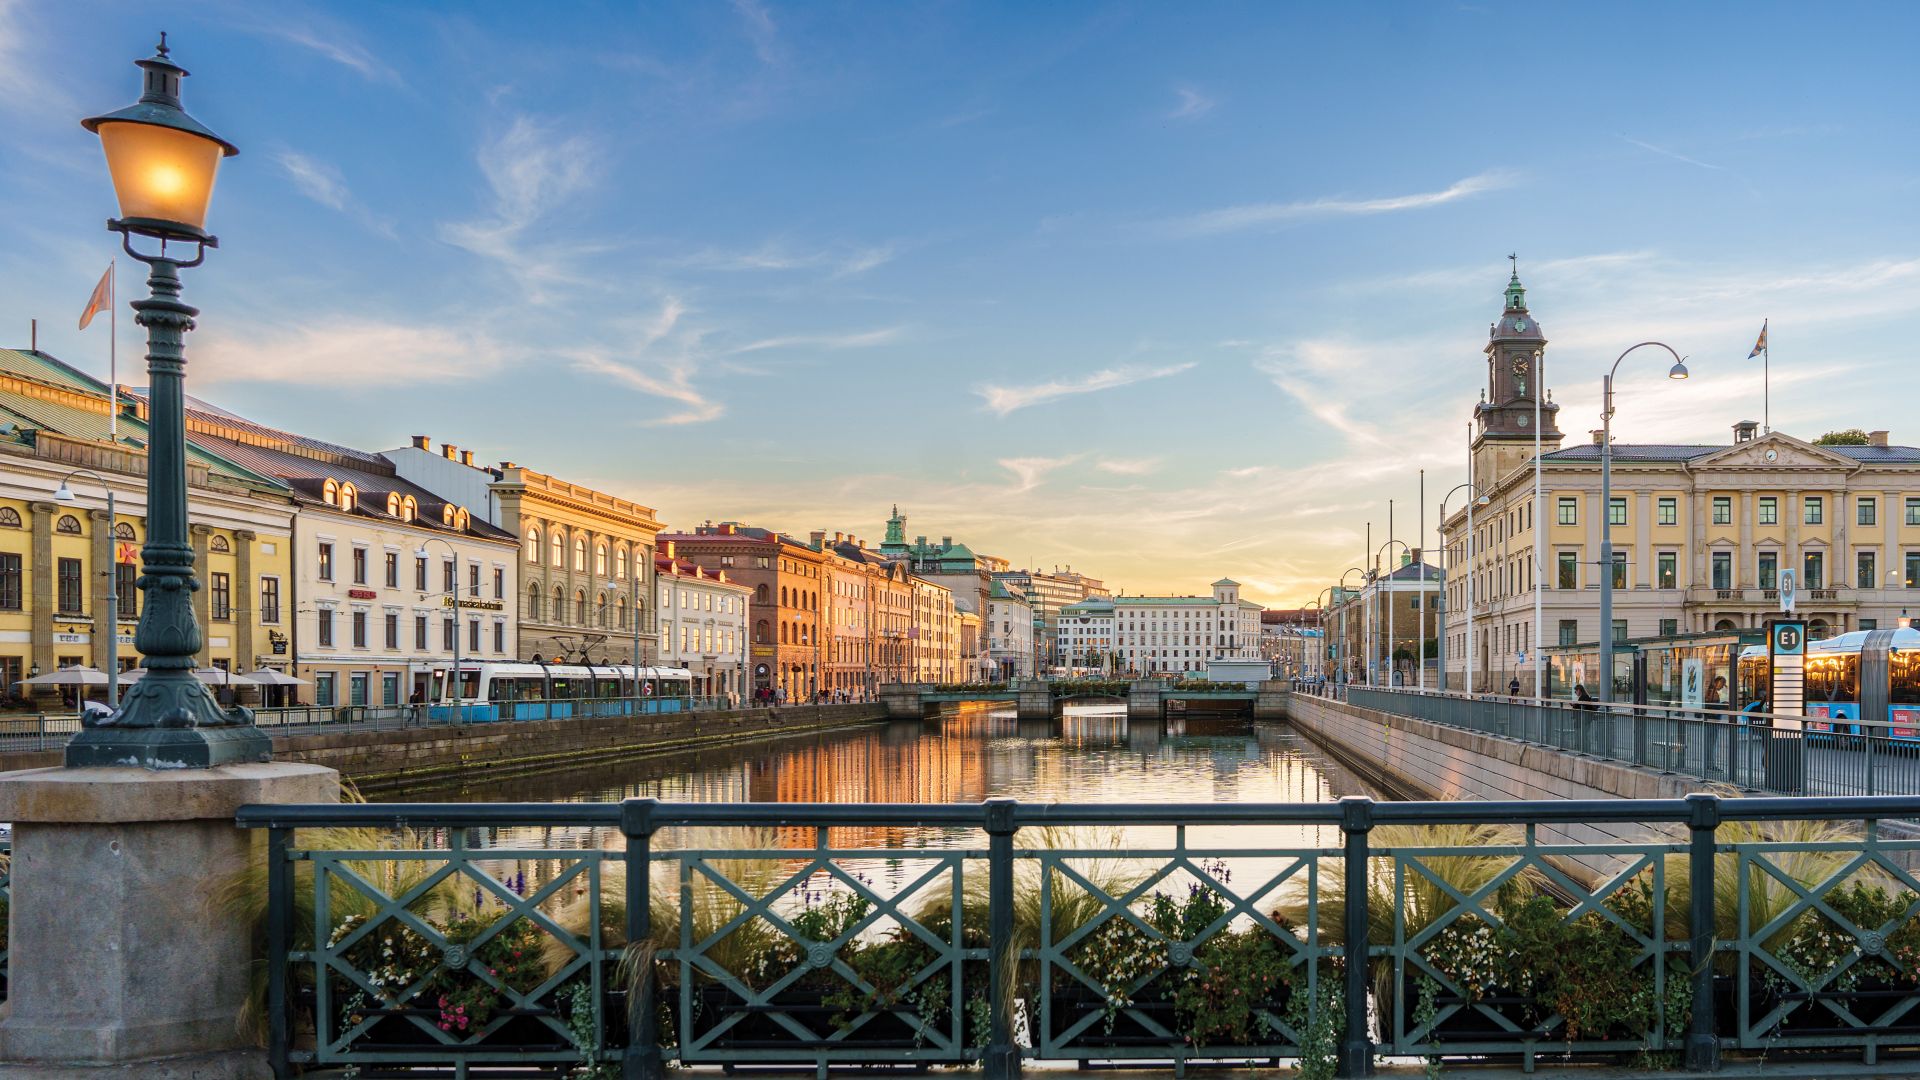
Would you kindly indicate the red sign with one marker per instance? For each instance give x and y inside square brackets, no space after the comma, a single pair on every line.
[363,594]
[127,552]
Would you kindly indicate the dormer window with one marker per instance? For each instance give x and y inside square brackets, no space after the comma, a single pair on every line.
[409,508]
[330,492]
[348,496]
[446,514]
[393,504]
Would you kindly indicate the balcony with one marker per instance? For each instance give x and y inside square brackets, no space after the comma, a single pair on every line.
[1729,594]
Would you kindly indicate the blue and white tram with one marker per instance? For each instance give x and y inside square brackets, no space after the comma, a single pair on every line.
[1866,673]
[518,690]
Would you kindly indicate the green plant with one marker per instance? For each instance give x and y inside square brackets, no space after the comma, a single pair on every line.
[576,1000]
[1815,946]
[1234,976]
[1321,1020]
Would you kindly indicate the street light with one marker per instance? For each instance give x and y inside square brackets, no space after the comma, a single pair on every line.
[111,597]
[1677,371]
[163,163]
[1390,592]
[1478,500]
[1345,612]
[453,601]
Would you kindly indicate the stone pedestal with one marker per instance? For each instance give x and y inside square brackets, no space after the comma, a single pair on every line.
[119,965]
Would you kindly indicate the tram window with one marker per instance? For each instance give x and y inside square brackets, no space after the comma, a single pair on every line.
[1834,677]
[1903,668]
[1755,675]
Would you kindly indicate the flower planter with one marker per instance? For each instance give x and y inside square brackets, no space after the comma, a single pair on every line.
[1809,1017]
[758,1028]
[1071,1001]
[1469,1023]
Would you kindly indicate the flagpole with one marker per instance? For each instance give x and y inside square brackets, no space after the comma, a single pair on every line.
[113,358]
[1766,377]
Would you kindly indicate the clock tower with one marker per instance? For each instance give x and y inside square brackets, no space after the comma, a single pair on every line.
[1503,421]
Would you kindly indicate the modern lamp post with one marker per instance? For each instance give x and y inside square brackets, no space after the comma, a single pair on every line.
[1678,371]
[1346,612]
[110,600]
[163,164]
[1390,590]
[1474,499]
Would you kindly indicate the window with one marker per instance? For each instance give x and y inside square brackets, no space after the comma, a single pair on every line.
[1669,510]
[1569,512]
[1616,511]
[68,524]
[449,583]
[393,569]
[269,600]
[420,573]
[1723,569]
[1569,631]
[1866,511]
[1769,570]
[1913,569]
[1619,629]
[1815,576]
[325,617]
[71,589]
[447,640]
[219,544]
[10,590]
[499,637]
[473,579]
[1863,577]
[359,629]
[1769,510]
[126,589]
[1869,624]
[359,566]
[1913,511]
[620,564]
[9,518]
[1619,569]
[1667,570]
[393,631]
[323,688]
[420,633]
[533,545]
[221,588]
[600,559]
[1723,509]
[326,562]
[473,635]
[1816,511]
[499,583]
[390,688]
[558,549]
[580,554]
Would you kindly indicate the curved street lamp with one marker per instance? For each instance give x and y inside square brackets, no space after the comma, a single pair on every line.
[1345,610]
[1676,372]
[163,164]
[1476,499]
[1390,591]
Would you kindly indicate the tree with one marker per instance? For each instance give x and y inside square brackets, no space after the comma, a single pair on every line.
[1848,437]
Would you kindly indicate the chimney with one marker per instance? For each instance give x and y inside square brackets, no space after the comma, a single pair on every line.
[422,442]
[1876,438]
[1599,436]
[451,451]
[508,465]
[863,545]
[819,537]
[466,457]
[1745,430]
[670,547]
[946,541]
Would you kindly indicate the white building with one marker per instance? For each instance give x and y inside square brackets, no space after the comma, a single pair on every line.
[703,624]
[1155,635]
[1009,633]
[1084,637]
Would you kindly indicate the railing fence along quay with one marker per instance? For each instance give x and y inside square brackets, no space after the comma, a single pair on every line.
[1783,755]
[45,731]
[825,935]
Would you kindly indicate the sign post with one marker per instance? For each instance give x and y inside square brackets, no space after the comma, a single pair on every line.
[1786,700]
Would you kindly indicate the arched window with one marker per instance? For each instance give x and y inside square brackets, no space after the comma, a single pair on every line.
[760,594]
[600,559]
[533,602]
[559,613]
[760,631]
[330,492]
[409,508]
[219,543]
[461,519]
[533,545]
[579,554]
[620,563]
[783,633]
[393,504]
[580,613]
[783,596]
[122,531]
[621,610]
[67,524]
[349,496]
[1723,624]
[558,546]
[1818,629]
[9,517]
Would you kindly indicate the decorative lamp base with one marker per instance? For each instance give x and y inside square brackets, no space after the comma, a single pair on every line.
[168,720]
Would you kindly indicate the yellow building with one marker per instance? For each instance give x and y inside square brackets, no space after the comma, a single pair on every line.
[1701,534]
[67,575]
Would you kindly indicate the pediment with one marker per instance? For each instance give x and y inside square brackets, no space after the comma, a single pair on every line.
[1788,453]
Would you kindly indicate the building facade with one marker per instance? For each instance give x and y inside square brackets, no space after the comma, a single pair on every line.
[1158,635]
[934,633]
[1009,628]
[1704,536]
[1084,639]
[1383,626]
[787,582]
[586,560]
[1047,593]
[703,619]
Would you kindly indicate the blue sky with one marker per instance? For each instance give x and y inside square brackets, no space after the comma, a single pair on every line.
[1162,292]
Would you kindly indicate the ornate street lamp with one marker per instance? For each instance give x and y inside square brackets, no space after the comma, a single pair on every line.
[1677,372]
[163,164]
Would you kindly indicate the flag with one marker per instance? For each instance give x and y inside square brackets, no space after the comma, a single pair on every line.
[1761,345]
[101,300]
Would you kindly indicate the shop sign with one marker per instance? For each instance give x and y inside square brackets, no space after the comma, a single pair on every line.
[476,603]
[363,594]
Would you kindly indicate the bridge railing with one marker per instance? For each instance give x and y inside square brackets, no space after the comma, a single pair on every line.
[1787,755]
[476,936]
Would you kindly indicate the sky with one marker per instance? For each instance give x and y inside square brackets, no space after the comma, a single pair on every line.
[1161,292]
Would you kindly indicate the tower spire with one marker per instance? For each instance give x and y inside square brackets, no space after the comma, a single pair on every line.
[1516,292]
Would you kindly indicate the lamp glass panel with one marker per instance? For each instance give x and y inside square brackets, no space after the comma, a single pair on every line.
[161,173]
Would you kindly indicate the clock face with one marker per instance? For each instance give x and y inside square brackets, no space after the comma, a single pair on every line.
[1520,325]
[1519,365]
[1772,454]
[1523,420]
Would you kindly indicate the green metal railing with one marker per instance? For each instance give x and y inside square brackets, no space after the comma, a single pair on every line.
[985,934]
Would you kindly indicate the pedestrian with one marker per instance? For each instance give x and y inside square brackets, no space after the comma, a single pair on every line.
[417,708]
[1513,687]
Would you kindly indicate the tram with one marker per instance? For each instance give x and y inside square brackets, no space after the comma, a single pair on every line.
[1873,674]
[518,690]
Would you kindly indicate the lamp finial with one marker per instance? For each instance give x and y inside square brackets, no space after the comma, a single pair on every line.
[161,49]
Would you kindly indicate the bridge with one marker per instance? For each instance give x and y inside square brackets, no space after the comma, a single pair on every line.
[1043,699]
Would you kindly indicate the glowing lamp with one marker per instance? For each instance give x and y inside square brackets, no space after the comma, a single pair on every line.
[163,161]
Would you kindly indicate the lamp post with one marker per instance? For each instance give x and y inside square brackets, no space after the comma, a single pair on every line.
[1391,660]
[453,601]
[163,164]
[1474,499]
[1346,609]
[1678,371]
[109,597]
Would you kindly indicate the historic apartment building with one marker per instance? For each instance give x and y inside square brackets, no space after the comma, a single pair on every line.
[1048,593]
[389,580]
[935,633]
[787,579]
[67,573]
[702,623]
[587,557]
[1160,634]
[1382,625]
[1010,628]
[1701,533]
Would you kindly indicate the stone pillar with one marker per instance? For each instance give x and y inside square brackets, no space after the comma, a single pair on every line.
[203,598]
[43,571]
[245,590]
[118,964]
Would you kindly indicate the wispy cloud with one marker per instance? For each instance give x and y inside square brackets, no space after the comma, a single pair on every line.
[530,170]
[25,89]
[860,340]
[332,43]
[1190,103]
[1129,466]
[1268,215]
[328,352]
[838,260]
[1028,472]
[674,382]
[1005,399]
[1675,155]
[660,357]
[1329,409]
[315,179]
[760,29]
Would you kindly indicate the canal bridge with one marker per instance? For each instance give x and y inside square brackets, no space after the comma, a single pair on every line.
[1145,699]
